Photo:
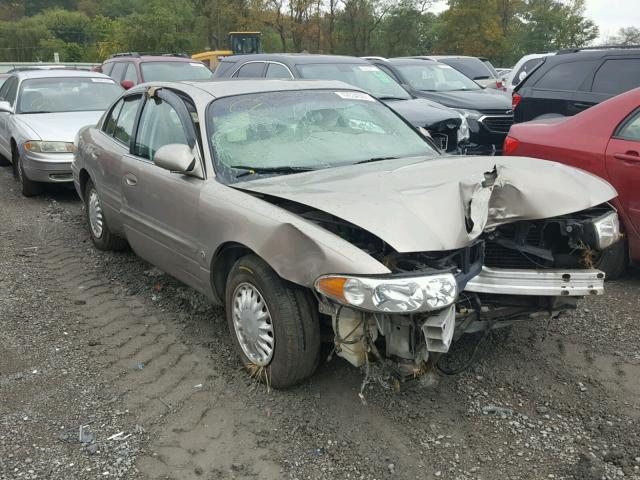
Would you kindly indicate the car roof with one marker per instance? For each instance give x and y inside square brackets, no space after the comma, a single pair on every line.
[62,73]
[149,58]
[591,54]
[296,58]
[411,61]
[226,87]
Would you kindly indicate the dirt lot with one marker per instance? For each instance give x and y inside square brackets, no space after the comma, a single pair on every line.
[107,341]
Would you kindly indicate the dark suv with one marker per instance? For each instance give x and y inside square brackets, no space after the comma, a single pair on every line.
[487,112]
[574,80]
[132,68]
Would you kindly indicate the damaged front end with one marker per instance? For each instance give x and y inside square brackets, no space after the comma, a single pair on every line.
[514,272]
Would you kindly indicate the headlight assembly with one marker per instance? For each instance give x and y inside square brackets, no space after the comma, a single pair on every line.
[463,132]
[391,295]
[49,147]
[607,230]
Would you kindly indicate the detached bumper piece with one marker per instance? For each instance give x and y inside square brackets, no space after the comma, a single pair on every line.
[553,283]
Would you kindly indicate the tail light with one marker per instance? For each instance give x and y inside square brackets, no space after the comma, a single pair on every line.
[516,98]
[510,145]
[499,84]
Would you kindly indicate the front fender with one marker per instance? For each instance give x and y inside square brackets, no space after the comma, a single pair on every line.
[297,249]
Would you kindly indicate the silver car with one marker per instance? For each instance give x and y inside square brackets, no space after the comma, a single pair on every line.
[41,112]
[309,207]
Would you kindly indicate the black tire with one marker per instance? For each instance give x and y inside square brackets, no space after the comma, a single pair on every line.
[296,326]
[106,240]
[28,187]
[614,260]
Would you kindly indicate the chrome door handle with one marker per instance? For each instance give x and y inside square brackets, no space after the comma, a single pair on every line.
[130,179]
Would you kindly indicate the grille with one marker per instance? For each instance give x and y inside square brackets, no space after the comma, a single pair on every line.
[502,257]
[498,124]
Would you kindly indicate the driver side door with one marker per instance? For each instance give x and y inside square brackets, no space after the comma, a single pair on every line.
[160,208]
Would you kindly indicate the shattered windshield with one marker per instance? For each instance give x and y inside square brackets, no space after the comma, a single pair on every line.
[290,131]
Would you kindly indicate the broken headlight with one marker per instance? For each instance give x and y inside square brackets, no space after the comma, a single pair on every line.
[392,295]
[607,230]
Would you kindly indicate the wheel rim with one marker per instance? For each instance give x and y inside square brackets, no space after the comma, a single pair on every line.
[96,220]
[252,324]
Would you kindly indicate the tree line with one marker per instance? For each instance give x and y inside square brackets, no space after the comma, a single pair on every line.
[91,30]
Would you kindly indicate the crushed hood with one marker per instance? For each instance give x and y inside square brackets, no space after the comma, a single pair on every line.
[484,99]
[425,204]
[420,112]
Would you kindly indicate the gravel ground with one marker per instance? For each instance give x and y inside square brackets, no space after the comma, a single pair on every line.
[106,342]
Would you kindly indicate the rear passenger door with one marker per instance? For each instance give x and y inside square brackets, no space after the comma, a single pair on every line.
[160,208]
[563,89]
[623,165]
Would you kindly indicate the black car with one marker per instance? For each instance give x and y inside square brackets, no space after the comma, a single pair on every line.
[574,80]
[488,112]
[448,128]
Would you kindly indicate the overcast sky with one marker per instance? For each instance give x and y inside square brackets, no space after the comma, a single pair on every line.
[609,15]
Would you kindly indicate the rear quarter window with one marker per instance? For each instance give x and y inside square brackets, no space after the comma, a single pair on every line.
[564,76]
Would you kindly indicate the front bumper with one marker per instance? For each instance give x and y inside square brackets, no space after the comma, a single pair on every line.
[554,283]
[47,167]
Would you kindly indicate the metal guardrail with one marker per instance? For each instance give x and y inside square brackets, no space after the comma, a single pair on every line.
[6,66]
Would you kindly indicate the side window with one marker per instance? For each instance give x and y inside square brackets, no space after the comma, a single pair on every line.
[118,70]
[159,125]
[630,130]
[109,126]
[107,67]
[275,70]
[130,73]
[525,70]
[119,124]
[617,76]
[9,90]
[564,76]
[250,70]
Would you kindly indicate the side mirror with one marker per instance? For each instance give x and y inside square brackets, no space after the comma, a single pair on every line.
[5,107]
[175,157]
[127,84]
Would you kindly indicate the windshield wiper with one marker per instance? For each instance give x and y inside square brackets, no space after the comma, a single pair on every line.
[258,170]
[393,98]
[375,159]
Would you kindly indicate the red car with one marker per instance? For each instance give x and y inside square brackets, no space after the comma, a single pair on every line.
[604,140]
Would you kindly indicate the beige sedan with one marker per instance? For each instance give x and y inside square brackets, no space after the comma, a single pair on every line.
[310,207]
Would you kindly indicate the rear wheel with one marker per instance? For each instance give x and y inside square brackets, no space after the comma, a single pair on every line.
[101,236]
[273,323]
[28,187]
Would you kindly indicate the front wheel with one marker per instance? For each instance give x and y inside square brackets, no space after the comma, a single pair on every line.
[273,323]
[28,187]
[101,236]
[613,261]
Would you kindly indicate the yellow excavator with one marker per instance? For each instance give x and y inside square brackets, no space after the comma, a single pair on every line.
[241,43]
